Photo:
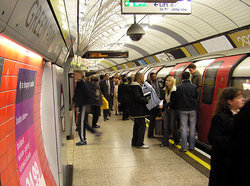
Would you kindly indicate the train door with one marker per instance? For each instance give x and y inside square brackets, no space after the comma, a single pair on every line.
[150,70]
[215,78]
[133,72]
[164,72]
[241,77]
[176,72]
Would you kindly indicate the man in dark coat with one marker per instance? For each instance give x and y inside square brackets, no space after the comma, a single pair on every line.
[105,86]
[196,77]
[138,111]
[123,97]
[95,108]
[186,97]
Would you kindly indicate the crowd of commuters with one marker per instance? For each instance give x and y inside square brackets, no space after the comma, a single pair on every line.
[178,105]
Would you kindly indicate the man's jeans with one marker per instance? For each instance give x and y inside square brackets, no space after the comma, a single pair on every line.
[186,116]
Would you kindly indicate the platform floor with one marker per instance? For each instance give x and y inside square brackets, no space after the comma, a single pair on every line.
[110,160]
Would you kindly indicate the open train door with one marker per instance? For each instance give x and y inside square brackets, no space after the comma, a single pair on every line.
[151,70]
[216,77]
[176,72]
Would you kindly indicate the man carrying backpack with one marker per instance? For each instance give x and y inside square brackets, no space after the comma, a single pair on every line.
[83,97]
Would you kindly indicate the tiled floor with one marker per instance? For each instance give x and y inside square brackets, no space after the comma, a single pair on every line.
[110,160]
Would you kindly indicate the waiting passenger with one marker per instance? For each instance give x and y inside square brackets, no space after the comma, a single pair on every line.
[196,77]
[227,107]
[155,111]
[95,108]
[238,163]
[138,111]
[170,123]
[186,97]
[123,97]
[112,84]
[106,91]
[115,101]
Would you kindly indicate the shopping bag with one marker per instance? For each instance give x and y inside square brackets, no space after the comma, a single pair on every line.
[105,104]
[159,125]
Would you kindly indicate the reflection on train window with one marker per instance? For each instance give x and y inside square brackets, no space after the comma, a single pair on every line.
[243,84]
[177,74]
[209,83]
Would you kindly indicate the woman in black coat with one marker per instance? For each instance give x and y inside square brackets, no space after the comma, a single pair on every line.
[228,105]
[170,112]
[238,162]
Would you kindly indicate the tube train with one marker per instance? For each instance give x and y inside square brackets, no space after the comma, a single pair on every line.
[219,70]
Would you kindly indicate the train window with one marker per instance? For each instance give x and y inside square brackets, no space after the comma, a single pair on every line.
[209,83]
[177,74]
[243,84]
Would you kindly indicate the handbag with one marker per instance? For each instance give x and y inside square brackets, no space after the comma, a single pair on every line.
[105,103]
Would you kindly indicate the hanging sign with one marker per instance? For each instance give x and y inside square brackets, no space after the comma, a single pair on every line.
[156,7]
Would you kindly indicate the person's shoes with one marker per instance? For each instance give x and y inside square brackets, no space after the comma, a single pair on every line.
[143,147]
[125,119]
[182,150]
[105,119]
[163,145]
[191,150]
[98,133]
[96,126]
[81,143]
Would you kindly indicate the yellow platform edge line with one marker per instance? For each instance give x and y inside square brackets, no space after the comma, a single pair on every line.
[193,156]
[189,153]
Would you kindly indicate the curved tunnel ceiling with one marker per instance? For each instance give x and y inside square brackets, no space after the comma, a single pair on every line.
[102,27]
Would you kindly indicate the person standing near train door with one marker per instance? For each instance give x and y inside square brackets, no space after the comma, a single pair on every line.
[154,111]
[186,97]
[196,77]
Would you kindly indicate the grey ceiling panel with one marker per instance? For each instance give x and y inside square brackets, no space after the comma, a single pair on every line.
[174,35]
[138,49]
[192,50]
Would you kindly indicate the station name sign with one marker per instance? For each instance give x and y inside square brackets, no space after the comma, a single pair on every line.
[156,6]
[105,54]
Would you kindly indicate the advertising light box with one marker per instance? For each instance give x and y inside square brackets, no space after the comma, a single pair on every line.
[149,7]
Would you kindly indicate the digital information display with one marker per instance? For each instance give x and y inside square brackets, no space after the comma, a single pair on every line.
[156,7]
[105,54]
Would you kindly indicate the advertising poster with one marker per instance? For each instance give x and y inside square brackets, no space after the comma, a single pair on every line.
[1,68]
[30,172]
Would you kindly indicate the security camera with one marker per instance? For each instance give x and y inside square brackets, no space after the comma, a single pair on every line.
[135,32]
